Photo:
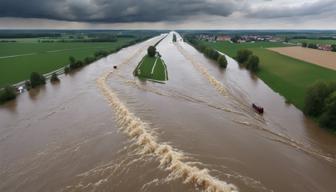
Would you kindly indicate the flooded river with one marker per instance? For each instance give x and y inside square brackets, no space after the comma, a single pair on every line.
[102,129]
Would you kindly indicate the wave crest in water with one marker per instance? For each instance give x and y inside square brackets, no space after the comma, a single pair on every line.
[170,159]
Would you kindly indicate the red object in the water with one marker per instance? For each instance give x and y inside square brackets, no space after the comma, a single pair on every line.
[115,67]
[258,109]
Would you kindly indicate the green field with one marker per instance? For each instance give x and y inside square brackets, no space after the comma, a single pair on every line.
[232,48]
[315,41]
[18,60]
[152,68]
[288,76]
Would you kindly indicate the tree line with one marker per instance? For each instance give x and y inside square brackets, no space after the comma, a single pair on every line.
[320,103]
[209,52]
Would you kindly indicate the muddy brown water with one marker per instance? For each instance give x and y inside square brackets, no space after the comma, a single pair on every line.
[99,131]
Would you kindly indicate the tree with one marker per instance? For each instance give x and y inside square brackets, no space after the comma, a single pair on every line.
[235,39]
[54,78]
[243,55]
[315,97]
[174,38]
[213,54]
[304,44]
[36,79]
[72,60]
[151,51]
[333,48]
[7,94]
[312,46]
[222,61]
[253,63]
[328,118]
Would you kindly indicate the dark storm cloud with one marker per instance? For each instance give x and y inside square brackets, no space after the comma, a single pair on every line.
[117,10]
[316,8]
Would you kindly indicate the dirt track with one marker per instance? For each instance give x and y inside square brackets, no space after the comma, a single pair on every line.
[322,58]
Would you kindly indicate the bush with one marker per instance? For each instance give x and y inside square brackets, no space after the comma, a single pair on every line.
[76,65]
[88,60]
[222,61]
[72,60]
[151,51]
[66,69]
[328,118]
[253,63]
[54,77]
[7,94]
[28,85]
[36,79]
[243,55]
[315,98]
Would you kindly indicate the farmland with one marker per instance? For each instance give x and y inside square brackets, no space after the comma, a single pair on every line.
[288,76]
[232,48]
[18,60]
[323,58]
[152,68]
[315,41]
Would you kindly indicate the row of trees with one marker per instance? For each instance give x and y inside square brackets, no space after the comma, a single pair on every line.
[314,46]
[35,80]
[247,59]
[209,52]
[77,64]
[320,103]
[310,45]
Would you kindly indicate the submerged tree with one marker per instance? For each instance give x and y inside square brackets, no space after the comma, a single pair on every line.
[54,78]
[252,63]
[222,61]
[315,97]
[36,79]
[243,55]
[7,94]
[328,117]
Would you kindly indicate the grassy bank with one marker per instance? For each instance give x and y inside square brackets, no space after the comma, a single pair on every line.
[152,68]
[18,60]
[288,76]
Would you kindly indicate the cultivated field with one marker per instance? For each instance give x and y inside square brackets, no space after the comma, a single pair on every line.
[152,68]
[315,41]
[18,60]
[286,75]
[322,58]
[232,48]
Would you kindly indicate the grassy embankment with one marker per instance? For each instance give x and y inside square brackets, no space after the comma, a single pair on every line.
[152,68]
[288,76]
[18,60]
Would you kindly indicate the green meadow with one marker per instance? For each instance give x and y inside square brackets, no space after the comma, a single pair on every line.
[152,68]
[19,59]
[288,76]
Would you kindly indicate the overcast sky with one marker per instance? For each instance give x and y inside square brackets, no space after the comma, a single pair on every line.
[168,14]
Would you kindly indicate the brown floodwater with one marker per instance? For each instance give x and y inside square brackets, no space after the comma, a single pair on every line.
[102,129]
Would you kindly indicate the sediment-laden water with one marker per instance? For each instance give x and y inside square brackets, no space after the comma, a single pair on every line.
[102,129]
